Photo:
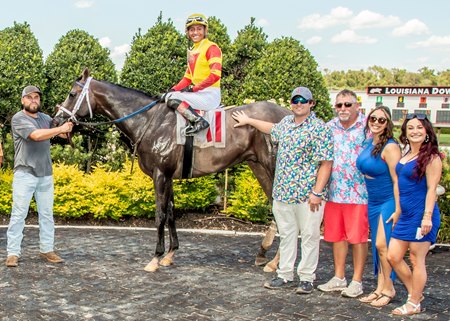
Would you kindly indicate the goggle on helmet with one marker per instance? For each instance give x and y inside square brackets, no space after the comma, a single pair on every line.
[196,19]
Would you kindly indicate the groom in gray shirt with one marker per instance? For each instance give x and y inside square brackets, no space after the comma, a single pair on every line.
[31,132]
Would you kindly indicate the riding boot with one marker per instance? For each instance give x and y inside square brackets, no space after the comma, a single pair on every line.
[197,122]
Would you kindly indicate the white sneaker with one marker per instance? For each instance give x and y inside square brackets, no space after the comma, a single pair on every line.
[335,284]
[353,290]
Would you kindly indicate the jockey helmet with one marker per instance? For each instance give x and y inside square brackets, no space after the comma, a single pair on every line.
[196,19]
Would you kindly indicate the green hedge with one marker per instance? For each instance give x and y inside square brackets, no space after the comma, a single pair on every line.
[107,194]
[104,194]
[444,202]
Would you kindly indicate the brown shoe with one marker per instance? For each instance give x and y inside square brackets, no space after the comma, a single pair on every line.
[52,257]
[12,261]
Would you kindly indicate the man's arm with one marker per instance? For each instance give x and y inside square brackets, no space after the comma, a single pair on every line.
[323,175]
[243,119]
[44,134]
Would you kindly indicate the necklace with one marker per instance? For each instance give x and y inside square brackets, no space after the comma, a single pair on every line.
[411,157]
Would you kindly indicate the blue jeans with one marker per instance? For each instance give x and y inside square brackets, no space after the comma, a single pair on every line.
[26,185]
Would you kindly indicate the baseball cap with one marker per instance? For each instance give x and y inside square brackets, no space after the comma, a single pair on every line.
[29,90]
[302,91]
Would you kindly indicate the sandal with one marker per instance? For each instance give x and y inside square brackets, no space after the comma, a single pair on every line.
[421,297]
[403,310]
[373,296]
[383,300]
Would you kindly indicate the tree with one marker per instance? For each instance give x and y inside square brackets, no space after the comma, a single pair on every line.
[217,32]
[443,78]
[247,47]
[157,60]
[74,52]
[428,77]
[284,65]
[21,64]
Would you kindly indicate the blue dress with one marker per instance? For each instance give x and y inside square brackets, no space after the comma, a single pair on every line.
[412,202]
[381,195]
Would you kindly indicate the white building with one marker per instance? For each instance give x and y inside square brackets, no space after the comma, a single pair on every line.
[432,101]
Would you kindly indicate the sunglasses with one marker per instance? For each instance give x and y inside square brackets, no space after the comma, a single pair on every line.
[374,119]
[347,104]
[418,116]
[299,99]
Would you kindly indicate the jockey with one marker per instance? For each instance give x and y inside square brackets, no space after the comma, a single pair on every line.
[200,86]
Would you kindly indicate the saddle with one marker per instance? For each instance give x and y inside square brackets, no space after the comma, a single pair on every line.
[213,136]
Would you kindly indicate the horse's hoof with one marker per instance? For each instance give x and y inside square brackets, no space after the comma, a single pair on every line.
[269,268]
[261,260]
[151,267]
[166,262]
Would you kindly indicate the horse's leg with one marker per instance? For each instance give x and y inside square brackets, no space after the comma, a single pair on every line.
[272,265]
[168,259]
[265,178]
[163,190]
[266,243]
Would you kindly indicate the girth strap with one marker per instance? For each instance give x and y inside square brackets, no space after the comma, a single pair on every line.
[188,157]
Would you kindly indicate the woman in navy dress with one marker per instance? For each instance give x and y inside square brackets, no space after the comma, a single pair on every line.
[377,162]
[419,172]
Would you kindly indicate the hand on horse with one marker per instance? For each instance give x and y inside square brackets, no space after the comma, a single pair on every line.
[188,89]
[241,118]
[162,97]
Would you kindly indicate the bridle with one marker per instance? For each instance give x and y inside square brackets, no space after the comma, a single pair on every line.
[84,94]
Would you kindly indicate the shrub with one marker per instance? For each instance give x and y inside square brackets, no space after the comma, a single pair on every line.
[112,194]
[444,202]
[248,200]
[6,177]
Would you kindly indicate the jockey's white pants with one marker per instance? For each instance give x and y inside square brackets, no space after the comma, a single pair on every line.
[205,99]
[292,220]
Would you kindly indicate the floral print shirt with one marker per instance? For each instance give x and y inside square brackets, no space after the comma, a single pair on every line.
[301,147]
[347,184]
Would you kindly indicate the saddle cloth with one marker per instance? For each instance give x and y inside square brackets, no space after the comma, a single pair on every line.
[213,136]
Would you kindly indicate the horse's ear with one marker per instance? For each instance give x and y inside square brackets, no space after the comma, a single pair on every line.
[85,74]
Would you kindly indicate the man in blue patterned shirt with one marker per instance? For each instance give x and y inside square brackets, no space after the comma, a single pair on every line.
[303,167]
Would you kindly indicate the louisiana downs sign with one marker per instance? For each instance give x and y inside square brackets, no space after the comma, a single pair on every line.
[408,91]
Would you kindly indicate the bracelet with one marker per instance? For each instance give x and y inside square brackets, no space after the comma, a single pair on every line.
[316,194]
[427,215]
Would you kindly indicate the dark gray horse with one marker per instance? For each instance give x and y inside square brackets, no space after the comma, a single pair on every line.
[160,157]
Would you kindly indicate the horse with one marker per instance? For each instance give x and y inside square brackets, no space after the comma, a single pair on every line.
[153,134]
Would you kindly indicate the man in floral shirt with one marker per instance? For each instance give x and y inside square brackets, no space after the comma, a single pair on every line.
[304,161]
[345,218]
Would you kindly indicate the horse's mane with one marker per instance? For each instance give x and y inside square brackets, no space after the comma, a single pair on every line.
[141,92]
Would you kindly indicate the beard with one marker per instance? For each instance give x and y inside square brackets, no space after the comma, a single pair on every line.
[32,110]
[344,116]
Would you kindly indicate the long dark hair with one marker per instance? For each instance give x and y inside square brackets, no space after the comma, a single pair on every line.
[388,132]
[429,148]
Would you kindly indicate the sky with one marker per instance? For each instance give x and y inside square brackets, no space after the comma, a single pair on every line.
[340,34]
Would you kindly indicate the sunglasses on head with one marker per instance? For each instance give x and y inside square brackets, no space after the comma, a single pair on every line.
[346,104]
[374,119]
[418,116]
[299,99]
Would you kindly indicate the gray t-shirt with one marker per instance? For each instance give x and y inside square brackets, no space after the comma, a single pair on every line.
[31,156]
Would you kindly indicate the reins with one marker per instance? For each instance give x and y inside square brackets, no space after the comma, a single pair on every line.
[85,94]
[141,110]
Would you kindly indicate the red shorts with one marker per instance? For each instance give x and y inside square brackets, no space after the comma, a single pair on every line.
[345,222]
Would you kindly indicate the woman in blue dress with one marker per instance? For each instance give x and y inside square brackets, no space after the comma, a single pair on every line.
[419,172]
[377,162]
